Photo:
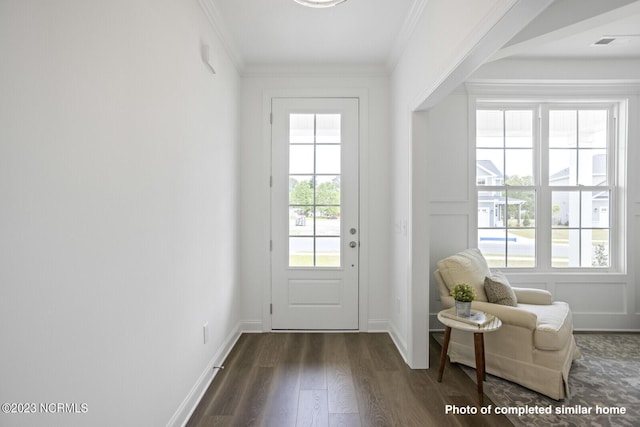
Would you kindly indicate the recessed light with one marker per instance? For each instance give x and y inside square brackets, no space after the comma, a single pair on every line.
[319,3]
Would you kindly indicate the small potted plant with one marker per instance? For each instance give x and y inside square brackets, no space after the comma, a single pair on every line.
[463,294]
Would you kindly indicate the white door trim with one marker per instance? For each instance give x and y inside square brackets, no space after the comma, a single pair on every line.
[316,296]
[363,156]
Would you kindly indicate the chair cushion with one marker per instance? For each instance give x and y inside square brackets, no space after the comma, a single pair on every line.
[554,326]
[499,290]
[469,267]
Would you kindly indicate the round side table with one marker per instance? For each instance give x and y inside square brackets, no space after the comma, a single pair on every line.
[478,340]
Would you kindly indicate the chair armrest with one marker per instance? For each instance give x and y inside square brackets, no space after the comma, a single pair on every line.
[533,296]
[508,315]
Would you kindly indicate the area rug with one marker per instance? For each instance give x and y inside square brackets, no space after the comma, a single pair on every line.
[604,387]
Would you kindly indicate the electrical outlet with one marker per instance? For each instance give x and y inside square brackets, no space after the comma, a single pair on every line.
[205,332]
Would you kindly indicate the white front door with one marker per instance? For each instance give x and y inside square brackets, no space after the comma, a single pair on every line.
[314,211]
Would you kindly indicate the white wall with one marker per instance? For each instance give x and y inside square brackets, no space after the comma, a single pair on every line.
[450,40]
[118,209]
[598,301]
[450,207]
[254,218]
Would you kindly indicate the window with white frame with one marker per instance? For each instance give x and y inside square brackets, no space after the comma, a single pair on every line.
[545,182]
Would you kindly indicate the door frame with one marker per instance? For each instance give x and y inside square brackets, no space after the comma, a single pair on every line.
[363,172]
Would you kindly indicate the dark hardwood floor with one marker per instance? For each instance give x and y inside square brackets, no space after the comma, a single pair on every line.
[340,379]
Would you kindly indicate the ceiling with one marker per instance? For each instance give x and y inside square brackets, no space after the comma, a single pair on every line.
[374,32]
[570,29]
[282,32]
[626,42]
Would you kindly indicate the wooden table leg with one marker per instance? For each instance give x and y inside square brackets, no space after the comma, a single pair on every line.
[478,339]
[443,354]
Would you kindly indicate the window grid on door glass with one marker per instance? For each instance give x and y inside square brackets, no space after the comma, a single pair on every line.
[314,190]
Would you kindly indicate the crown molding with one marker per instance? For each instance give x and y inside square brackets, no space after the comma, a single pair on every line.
[408,27]
[553,87]
[212,13]
[570,72]
[314,70]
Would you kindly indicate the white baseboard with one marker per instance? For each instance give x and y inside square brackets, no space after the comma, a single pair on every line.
[383,325]
[378,325]
[401,345]
[251,326]
[190,403]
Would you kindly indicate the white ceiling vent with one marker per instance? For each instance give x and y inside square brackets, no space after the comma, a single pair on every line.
[619,39]
[604,41]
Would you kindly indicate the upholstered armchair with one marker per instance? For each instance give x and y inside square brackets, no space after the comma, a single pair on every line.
[535,345]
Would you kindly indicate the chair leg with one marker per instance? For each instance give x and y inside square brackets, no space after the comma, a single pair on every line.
[478,339]
[443,354]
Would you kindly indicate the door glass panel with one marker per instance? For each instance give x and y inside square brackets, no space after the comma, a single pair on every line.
[300,224]
[314,190]
[301,190]
[301,251]
[327,252]
[328,128]
[328,190]
[301,159]
[301,128]
[328,221]
[328,159]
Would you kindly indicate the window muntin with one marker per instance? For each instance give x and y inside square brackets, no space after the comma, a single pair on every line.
[314,190]
[578,147]
[560,218]
[580,228]
[505,182]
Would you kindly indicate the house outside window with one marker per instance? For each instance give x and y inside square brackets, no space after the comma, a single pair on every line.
[546,184]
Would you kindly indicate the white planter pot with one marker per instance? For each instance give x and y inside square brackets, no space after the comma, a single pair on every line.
[463,308]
